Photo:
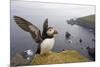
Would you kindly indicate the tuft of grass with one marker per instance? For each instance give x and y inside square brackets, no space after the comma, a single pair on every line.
[68,56]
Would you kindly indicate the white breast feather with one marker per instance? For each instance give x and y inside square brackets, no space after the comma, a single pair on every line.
[47,45]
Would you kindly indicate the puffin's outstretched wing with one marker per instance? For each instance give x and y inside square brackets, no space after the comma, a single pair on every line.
[45,27]
[29,27]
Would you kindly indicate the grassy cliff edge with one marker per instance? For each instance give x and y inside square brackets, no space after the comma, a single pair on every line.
[68,56]
[87,21]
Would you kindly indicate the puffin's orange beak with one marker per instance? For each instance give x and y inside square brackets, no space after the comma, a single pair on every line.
[55,32]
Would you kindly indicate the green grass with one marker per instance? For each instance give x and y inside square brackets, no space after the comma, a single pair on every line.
[89,19]
[68,56]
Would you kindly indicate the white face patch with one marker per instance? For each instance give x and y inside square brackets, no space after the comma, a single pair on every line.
[50,31]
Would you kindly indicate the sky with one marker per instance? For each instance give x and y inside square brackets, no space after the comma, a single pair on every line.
[40,8]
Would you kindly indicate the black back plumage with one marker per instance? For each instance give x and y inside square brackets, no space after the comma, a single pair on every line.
[45,28]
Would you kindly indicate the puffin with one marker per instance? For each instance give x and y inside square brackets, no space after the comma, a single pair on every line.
[45,40]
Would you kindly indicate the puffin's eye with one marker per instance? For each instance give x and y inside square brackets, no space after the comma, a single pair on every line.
[50,29]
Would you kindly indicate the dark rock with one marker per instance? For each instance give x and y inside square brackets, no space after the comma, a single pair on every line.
[80,40]
[91,52]
[23,58]
[67,34]
[63,49]
[71,21]
[69,41]
[93,40]
[18,59]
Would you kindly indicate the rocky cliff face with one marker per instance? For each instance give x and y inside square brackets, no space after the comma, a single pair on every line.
[86,21]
